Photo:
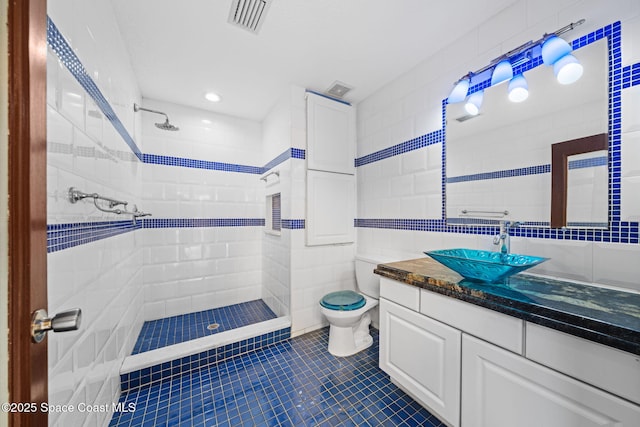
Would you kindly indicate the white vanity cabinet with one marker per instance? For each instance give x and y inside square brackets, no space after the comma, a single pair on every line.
[475,367]
[502,389]
[422,356]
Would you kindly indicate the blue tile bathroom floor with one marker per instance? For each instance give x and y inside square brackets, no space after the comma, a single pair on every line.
[176,329]
[296,382]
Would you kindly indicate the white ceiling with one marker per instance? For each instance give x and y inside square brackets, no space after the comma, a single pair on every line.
[182,49]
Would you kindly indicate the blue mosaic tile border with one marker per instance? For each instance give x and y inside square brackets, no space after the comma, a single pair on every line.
[147,376]
[404,147]
[588,163]
[618,231]
[65,236]
[614,42]
[67,56]
[631,75]
[402,224]
[508,173]
[293,224]
[202,222]
[530,170]
[494,222]
[156,159]
[291,153]
[68,235]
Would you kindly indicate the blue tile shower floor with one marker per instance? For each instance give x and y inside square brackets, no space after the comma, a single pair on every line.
[176,329]
[292,383]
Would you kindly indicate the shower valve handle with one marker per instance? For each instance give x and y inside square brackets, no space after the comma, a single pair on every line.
[62,322]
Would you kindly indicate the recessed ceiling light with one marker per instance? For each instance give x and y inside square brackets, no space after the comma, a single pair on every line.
[206,121]
[213,97]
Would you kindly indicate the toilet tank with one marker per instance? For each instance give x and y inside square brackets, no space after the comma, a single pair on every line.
[368,282]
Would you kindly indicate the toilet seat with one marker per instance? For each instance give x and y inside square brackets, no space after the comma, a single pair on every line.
[343,301]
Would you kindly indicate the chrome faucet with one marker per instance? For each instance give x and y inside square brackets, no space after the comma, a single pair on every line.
[503,239]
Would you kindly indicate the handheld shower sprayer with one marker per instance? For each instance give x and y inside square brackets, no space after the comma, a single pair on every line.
[164,126]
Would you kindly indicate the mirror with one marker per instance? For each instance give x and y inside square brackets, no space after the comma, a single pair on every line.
[587,190]
[498,163]
[577,182]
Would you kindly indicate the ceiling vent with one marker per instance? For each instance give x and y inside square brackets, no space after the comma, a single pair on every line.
[338,89]
[249,14]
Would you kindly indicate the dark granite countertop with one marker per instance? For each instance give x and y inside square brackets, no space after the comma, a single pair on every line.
[606,316]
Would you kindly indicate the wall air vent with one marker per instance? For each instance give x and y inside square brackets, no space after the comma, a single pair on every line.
[249,14]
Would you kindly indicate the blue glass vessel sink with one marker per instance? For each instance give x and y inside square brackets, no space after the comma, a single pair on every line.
[484,266]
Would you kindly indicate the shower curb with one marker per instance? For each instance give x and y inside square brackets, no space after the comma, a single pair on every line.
[149,376]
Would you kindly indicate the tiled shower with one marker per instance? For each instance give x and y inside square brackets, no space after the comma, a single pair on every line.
[204,246]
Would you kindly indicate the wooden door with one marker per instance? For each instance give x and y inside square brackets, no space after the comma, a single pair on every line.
[27,205]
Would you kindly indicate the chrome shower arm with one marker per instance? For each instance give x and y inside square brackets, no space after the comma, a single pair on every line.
[164,126]
[137,108]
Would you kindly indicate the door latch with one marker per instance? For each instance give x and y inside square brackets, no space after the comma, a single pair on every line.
[62,322]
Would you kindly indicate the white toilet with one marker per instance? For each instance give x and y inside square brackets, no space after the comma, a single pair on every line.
[347,311]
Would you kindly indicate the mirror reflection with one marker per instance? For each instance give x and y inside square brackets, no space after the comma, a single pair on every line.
[587,192]
[498,162]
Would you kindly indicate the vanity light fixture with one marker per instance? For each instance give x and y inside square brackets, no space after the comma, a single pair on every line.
[474,102]
[567,69]
[459,91]
[518,89]
[502,73]
[555,52]
[553,49]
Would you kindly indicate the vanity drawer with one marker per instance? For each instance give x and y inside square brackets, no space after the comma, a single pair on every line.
[400,293]
[605,367]
[497,328]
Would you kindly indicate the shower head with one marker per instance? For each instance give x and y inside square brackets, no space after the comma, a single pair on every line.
[164,126]
[167,126]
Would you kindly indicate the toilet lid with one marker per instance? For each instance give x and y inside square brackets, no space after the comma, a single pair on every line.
[343,300]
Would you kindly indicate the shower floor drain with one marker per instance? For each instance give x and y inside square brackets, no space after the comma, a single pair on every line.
[213,326]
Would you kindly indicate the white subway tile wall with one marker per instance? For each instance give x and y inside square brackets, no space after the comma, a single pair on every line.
[102,277]
[276,260]
[197,268]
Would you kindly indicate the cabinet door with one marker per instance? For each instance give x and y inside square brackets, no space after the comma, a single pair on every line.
[423,356]
[331,135]
[330,208]
[501,389]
